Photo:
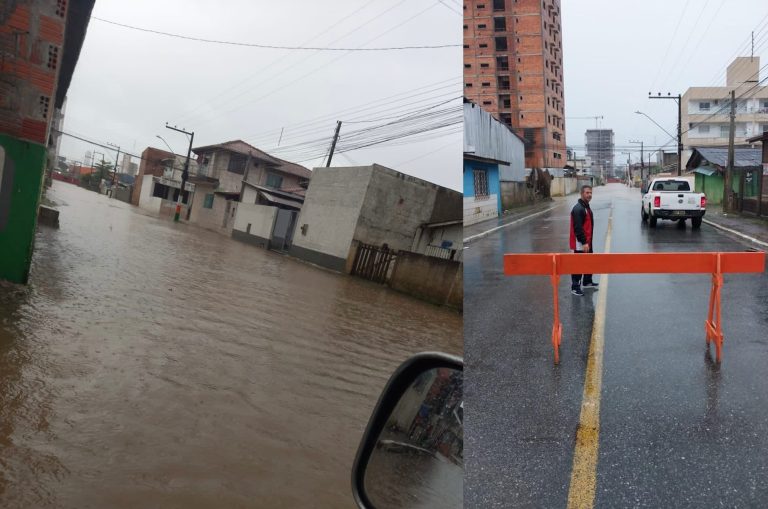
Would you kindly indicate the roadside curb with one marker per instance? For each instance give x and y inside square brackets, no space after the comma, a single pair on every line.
[737,233]
[511,223]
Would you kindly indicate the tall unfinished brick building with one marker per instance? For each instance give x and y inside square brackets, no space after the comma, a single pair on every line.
[513,68]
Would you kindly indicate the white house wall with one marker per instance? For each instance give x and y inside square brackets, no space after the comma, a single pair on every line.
[476,211]
[328,218]
[254,223]
[146,200]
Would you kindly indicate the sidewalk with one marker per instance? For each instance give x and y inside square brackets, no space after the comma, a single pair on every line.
[741,225]
[483,228]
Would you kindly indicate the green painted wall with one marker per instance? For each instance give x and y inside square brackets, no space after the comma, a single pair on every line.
[712,186]
[26,160]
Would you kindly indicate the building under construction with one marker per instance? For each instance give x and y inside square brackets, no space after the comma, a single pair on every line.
[600,149]
[513,69]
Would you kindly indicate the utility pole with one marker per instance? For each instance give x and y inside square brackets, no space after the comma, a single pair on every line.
[678,98]
[727,205]
[642,160]
[333,143]
[114,174]
[185,173]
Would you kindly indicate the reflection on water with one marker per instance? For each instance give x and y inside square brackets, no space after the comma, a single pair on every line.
[153,364]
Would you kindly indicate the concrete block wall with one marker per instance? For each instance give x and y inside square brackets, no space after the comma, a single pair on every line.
[395,206]
[515,194]
[563,186]
[428,278]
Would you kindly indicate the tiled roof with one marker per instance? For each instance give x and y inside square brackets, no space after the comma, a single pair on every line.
[241,147]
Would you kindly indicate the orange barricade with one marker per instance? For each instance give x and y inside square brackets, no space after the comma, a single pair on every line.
[717,264]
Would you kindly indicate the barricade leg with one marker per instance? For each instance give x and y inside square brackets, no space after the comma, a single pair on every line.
[714,318]
[557,327]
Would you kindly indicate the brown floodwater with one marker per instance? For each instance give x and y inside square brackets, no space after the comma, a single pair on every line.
[153,364]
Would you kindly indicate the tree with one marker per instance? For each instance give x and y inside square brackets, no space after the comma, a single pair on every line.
[101,171]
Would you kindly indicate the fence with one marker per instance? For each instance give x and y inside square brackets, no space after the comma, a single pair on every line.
[373,263]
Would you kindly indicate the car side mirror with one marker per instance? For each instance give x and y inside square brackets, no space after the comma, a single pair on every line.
[412,452]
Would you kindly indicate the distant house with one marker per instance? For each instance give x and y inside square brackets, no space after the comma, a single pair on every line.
[234,171]
[158,183]
[492,154]
[709,164]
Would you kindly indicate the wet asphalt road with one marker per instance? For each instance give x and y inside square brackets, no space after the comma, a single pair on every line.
[676,430]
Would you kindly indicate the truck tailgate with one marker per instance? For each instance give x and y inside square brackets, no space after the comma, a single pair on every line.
[672,200]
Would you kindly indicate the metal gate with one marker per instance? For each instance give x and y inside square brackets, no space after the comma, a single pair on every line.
[282,231]
[374,263]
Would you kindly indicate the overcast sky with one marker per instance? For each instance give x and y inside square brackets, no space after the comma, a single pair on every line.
[615,52]
[128,83]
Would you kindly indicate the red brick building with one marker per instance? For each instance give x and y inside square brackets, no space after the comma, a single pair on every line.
[152,163]
[513,68]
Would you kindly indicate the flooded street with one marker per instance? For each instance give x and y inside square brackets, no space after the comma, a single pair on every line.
[150,364]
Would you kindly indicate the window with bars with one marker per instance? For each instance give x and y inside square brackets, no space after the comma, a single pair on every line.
[481,184]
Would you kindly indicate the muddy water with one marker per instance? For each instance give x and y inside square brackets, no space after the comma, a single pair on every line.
[150,364]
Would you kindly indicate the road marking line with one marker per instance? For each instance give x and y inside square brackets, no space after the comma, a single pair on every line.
[581,493]
[511,223]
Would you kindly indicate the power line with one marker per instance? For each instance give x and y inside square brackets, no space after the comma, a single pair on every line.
[669,46]
[356,112]
[759,27]
[273,46]
[321,67]
[450,8]
[260,72]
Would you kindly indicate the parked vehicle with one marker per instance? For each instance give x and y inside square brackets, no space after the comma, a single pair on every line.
[412,452]
[672,199]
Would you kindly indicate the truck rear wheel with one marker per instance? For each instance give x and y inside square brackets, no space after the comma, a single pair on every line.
[696,222]
[643,214]
[652,220]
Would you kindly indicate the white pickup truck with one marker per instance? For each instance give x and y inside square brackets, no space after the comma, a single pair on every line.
[672,199]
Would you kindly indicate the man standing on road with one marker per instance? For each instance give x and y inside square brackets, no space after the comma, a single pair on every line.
[582,228]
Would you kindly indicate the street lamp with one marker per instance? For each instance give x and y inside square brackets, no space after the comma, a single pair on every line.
[173,152]
[679,143]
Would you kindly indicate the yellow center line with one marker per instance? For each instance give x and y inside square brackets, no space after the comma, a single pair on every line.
[581,493]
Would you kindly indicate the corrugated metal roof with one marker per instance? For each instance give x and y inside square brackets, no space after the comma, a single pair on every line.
[486,137]
[743,157]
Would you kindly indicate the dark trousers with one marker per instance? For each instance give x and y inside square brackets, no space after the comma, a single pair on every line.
[578,279]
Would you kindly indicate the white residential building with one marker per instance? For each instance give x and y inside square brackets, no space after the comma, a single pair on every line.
[706,110]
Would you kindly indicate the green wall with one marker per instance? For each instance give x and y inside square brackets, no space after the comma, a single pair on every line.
[712,186]
[26,161]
